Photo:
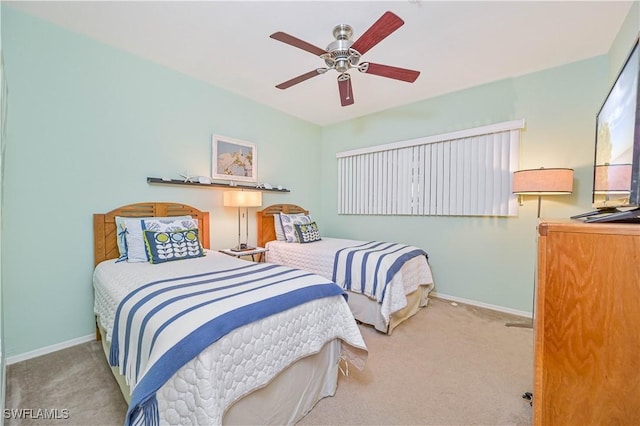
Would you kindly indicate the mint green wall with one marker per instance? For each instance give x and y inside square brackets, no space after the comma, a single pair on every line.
[624,41]
[490,260]
[87,125]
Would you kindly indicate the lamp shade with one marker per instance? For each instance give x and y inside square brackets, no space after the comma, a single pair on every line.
[242,199]
[543,181]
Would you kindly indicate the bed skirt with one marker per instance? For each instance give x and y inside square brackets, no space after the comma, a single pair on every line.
[286,399]
[367,310]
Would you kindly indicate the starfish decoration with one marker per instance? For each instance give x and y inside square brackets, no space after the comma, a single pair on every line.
[187,177]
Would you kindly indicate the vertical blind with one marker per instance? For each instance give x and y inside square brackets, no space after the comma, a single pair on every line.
[464,173]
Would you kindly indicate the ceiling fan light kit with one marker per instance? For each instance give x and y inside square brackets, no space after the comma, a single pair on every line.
[344,54]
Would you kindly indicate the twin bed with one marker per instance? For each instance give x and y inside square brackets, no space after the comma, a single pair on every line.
[398,276]
[212,339]
[194,336]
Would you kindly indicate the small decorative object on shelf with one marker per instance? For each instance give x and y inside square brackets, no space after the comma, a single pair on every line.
[187,177]
[211,184]
[268,186]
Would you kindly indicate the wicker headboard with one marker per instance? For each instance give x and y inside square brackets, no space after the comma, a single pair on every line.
[105,235]
[266,229]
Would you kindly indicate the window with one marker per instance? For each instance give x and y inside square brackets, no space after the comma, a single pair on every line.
[464,173]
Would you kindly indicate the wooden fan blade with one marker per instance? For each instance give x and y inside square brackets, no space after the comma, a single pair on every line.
[391,72]
[383,27]
[296,42]
[298,79]
[346,92]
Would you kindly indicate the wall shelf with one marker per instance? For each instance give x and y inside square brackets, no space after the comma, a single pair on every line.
[180,182]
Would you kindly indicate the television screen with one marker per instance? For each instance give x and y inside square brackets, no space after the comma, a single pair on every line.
[615,130]
[616,169]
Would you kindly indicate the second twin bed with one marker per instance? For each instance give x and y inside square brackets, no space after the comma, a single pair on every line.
[387,282]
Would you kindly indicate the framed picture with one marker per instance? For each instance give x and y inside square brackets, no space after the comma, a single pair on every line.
[233,159]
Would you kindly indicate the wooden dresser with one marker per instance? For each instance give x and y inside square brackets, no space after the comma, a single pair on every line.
[587,325]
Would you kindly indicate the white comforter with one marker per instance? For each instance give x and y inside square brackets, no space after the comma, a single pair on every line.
[318,257]
[242,361]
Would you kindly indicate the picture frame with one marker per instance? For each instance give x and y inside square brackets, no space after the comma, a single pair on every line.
[234,159]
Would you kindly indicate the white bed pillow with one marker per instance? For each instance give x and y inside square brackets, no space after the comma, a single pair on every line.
[288,222]
[136,249]
[277,224]
[121,231]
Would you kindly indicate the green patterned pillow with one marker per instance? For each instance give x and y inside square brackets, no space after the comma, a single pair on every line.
[307,233]
[172,245]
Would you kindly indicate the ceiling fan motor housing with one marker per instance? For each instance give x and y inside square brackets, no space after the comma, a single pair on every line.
[341,56]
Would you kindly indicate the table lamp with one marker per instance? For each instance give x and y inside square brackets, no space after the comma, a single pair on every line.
[243,199]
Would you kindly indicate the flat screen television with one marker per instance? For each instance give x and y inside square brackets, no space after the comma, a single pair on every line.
[616,170]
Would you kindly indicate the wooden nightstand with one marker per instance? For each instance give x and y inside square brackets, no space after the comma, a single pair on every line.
[260,251]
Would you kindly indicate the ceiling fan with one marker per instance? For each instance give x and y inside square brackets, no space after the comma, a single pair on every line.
[344,54]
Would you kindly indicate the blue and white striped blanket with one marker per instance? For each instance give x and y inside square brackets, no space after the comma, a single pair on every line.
[162,325]
[369,267]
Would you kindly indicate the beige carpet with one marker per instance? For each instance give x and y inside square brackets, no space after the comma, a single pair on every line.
[448,365]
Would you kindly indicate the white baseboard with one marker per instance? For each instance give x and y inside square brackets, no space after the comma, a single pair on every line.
[48,349]
[481,304]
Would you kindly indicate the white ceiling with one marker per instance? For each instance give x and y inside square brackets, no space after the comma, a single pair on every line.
[454,44]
